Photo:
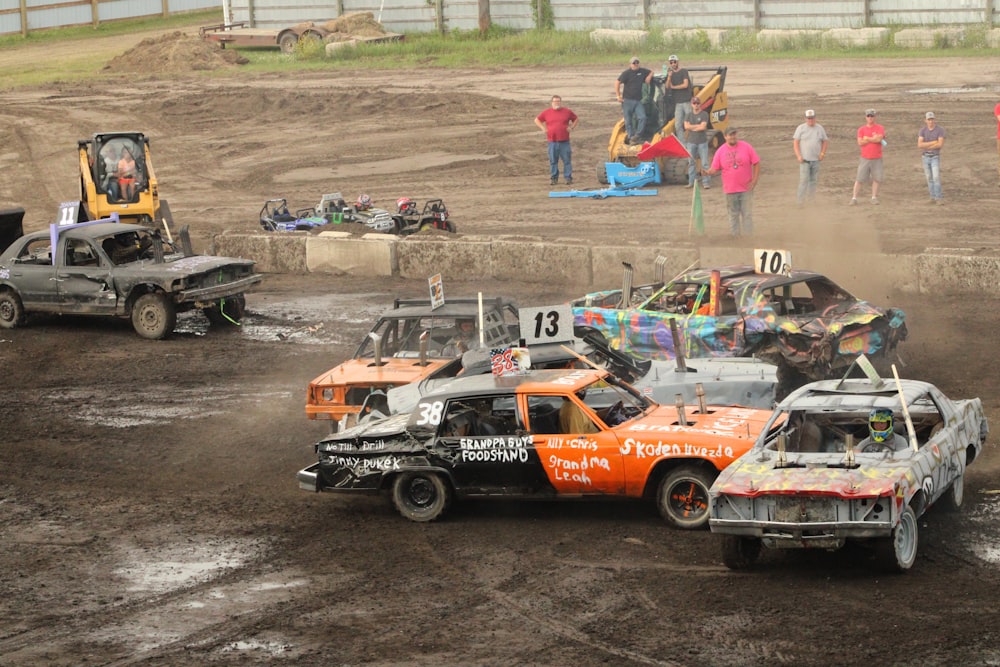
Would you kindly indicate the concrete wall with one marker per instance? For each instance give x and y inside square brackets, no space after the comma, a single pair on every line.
[583,268]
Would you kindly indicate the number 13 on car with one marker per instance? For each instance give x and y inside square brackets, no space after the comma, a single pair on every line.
[547,324]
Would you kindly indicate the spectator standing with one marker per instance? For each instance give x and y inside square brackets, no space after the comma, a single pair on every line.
[740,167]
[810,143]
[628,90]
[871,138]
[996,112]
[556,122]
[930,139]
[679,84]
[696,128]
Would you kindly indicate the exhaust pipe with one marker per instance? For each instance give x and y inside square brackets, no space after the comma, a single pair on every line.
[681,411]
[678,348]
[700,392]
[378,347]
[425,343]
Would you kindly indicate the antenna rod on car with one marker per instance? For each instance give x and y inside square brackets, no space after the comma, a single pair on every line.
[906,410]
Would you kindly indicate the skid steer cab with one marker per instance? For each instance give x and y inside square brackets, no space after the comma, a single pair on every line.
[116,176]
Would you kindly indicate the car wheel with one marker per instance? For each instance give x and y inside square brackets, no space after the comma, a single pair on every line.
[897,553]
[740,553]
[231,311]
[952,499]
[420,496]
[11,310]
[449,227]
[153,316]
[682,497]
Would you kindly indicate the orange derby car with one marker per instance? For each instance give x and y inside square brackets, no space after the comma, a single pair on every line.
[542,434]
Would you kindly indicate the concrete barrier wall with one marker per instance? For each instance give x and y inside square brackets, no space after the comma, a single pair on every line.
[584,268]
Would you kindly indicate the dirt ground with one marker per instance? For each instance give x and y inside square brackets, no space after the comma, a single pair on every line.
[148,505]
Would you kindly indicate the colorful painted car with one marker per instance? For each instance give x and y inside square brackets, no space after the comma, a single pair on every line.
[815,482]
[410,341]
[542,434]
[800,321]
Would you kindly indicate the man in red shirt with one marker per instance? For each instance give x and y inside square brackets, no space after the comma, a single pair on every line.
[556,122]
[871,137]
[996,112]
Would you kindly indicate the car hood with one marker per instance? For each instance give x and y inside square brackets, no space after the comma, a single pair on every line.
[368,436]
[392,372]
[730,422]
[178,265]
[751,477]
[832,322]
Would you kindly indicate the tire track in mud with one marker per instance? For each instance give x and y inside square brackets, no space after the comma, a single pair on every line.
[561,628]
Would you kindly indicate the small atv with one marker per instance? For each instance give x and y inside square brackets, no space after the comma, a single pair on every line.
[434,216]
[275,217]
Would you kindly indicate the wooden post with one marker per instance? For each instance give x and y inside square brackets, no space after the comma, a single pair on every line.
[867,18]
[988,11]
[756,15]
[439,15]
[94,15]
[23,6]
[165,4]
[251,14]
[484,17]
[645,14]
[340,8]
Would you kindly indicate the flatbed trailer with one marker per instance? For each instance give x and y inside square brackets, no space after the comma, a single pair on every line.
[238,34]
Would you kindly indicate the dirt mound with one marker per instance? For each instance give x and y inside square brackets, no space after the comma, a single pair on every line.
[352,26]
[174,53]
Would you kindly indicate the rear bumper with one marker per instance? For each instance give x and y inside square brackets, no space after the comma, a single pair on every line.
[308,478]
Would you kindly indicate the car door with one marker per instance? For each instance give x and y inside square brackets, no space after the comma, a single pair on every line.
[489,450]
[31,271]
[84,279]
[578,453]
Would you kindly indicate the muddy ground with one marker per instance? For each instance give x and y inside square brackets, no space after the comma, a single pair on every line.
[148,504]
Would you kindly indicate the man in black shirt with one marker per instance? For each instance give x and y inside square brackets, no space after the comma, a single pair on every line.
[628,90]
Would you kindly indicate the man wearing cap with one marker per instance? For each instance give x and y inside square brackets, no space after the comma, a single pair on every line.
[740,167]
[628,90]
[871,136]
[810,142]
[678,84]
[930,139]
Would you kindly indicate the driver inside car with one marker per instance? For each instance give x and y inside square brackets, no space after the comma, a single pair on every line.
[572,419]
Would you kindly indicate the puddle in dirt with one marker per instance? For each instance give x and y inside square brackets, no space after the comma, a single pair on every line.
[191,572]
[986,545]
[328,319]
[158,404]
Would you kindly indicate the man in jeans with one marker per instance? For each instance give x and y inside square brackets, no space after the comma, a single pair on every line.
[556,122]
[696,127]
[930,139]
[679,84]
[628,90]
[810,142]
[740,167]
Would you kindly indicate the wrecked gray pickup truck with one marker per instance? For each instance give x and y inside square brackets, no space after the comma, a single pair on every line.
[108,268]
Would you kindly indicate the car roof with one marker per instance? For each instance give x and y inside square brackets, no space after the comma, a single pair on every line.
[533,381]
[459,307]
[853,394]
[92,231]
[744,274]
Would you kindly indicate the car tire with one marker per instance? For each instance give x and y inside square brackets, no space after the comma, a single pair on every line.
[11,310]
[420,496]
[675,171]
[287,42]
[449,227]
[740,553]
[682,497]
[231,311]
[953,496]
[153,316]
[898,552]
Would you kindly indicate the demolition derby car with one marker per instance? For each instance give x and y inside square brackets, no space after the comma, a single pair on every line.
[854,460]
[801,321]
[409,342]
[540,434]
[113,269]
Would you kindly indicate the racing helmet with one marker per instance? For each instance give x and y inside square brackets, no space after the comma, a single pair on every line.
[406,206]
[364,202]
[880,424]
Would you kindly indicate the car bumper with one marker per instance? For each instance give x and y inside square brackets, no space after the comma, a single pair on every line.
[308,478]
[792,535]
[219,291]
